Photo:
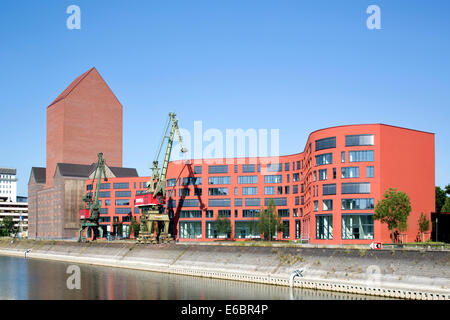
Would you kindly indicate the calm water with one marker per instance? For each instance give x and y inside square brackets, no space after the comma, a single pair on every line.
[39,279]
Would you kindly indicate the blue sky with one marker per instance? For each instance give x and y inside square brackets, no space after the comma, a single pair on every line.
[294,65]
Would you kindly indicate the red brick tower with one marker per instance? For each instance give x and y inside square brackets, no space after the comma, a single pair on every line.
[85,119]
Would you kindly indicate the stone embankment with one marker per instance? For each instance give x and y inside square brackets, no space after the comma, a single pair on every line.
[407,274]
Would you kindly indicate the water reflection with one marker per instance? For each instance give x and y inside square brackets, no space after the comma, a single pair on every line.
[38,279]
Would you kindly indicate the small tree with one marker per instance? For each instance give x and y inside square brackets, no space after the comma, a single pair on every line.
[8,225]
[424,224]
[223,226]
[446,206]
[393,209]
[135,227]
[440,197]
[269,222]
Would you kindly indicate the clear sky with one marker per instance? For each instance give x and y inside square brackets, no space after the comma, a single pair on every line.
[297,66]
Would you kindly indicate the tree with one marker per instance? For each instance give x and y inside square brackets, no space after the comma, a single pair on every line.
[424,224]
[269,222]
[223,226]
[440,198]
[135,227]
[393,209]
[446,206]
[8,225]
[447,189]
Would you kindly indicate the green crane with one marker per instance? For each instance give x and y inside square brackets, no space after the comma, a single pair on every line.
[90,215]
[152,200]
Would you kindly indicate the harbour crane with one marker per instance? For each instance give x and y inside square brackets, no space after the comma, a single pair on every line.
[152,201]
[89,216]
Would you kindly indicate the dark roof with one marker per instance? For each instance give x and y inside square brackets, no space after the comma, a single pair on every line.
[8,171]
[124,172]
[75,170]
[39,174]
[84,171]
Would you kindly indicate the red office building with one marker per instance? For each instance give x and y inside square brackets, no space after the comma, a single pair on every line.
[323,195]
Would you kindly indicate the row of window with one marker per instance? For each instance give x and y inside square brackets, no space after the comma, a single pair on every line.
[346,204]
[353,156]
[350,141]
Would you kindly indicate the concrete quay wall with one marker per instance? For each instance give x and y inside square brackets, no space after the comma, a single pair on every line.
[407,274]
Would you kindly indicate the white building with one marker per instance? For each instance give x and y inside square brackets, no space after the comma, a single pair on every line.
[10,204]
[8,184]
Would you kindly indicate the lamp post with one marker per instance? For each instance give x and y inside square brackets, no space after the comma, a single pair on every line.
[436,230]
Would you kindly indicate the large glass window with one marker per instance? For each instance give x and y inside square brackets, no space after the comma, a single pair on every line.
[248,191]
[278,201]
[122,202]
[329,189]
[274,167]
[252,202]
[250,213]
[324,227]
[219,202]
[219,180]
[123,194]
[360,156]
[218,191]
[190,229]
[322,159]
[357,226]
[269,190]
[370,172]
[349,172]
[246,229]
[188,203]
[247,168]
[359,140]
[192,180]
[247,179]
[358,204]
[218,169]
[104,186]
[123,210]
[238,202]
[198,169]
[190,214]
[273,179]
[326,143]
[316,205]
[212,233]
[283,213]
[224,213]
[104,194]
[121,185]
[171,182]
[286,229]
[357,187]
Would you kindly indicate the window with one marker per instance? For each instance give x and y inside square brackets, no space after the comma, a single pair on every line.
[297,201]
[247,179]
[343,156]
[360,156]
[297,229]
[248,168]
[224,213]
[286,229]
[278,201]
[269,190]
[209,214]
[198,169]
[322,159]
[123,210]
[192,180]
[280,190]
[334,173]
[295,177]
[369,172]
[103,211]
[235,168]
[238,202]
[246,191]
[286,190]
[218,191]
[122,202]
[323,174]
[252,213]
[219,180]
[121,185]
[123,194]
[357,187]
[190,229]
[359,140]
[326,143]
[316,205]
[246,230]
[218,169]
[273,179]
[283,213]
[349,172]
[358,204]
[286,166]
[197,191]
[104,194]
[235,191]
[274,167]
[252,202]
[327,205]
[219,203]
[324,227]
[104,186]
[171,182]
[359,226]
[190,214]
[188,203]
[184,192]
[329,189]
[295,189]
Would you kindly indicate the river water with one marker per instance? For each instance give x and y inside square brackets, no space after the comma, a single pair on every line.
[24,279]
